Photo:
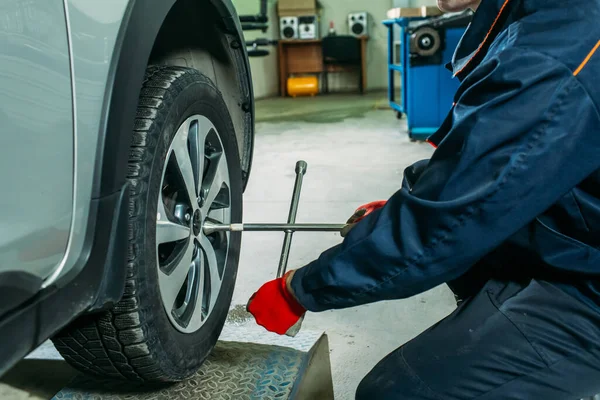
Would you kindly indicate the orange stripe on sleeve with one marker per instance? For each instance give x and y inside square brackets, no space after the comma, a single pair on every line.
[587,59]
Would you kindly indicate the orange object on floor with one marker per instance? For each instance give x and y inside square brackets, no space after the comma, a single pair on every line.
[303,86]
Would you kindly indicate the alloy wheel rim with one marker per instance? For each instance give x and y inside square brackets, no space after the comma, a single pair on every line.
[195,188]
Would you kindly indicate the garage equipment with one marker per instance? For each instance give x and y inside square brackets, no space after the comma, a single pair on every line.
[426,44]
[344,53]
[289,228]
[303,86]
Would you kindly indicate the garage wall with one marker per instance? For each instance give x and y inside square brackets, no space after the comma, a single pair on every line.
[337,11]
[264,69]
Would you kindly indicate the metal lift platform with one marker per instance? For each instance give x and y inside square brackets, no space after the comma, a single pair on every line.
[247,363]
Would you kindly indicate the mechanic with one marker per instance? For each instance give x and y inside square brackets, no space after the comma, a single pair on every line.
[506,212]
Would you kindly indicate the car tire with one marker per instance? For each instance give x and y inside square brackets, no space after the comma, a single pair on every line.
[142,338]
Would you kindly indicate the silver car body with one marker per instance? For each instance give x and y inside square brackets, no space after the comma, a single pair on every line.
[68,70]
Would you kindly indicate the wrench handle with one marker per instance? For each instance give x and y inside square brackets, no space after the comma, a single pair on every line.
[301,168]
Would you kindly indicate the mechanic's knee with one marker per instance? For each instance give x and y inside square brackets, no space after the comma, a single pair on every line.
[366,388]
[381,385]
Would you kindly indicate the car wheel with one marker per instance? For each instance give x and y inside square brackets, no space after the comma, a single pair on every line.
[184,169]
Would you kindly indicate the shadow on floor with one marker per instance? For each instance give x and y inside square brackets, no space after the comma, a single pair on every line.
[35,379]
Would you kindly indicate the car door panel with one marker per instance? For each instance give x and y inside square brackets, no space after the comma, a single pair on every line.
[36,137]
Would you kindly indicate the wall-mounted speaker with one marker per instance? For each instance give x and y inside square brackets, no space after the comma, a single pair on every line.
[288,27]
[358,23]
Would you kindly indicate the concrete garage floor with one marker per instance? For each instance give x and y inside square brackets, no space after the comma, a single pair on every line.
[356,152]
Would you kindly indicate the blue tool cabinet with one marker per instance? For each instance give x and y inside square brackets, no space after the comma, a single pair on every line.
[427,87]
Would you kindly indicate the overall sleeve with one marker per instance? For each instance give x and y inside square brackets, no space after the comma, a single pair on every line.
[524,133]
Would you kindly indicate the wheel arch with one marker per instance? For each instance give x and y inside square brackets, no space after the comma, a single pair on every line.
[173,32]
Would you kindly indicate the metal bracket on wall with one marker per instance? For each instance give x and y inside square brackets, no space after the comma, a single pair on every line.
[256,22]
[255,51]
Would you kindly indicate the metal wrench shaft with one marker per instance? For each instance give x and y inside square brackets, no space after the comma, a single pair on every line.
[210,227]
[301,167]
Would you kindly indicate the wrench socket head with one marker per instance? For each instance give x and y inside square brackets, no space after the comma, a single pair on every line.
[301,167]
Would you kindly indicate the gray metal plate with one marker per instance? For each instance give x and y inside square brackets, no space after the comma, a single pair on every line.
[233,371]
[247,363]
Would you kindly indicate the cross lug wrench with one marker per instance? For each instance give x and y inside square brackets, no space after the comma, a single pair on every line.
[289,228]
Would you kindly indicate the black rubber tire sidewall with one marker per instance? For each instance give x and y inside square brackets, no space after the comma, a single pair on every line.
[181,354]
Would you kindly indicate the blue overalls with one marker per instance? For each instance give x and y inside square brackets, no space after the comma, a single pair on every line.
[507,212]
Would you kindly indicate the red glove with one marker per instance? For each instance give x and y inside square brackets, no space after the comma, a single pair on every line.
[275,308]
[360,213]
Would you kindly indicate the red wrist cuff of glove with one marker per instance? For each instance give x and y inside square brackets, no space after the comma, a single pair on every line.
[295,307]
[274,307]
[366,209]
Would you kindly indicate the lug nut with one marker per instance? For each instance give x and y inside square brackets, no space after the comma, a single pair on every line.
[188,217]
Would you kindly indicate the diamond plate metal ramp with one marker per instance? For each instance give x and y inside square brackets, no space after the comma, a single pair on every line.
[247,363]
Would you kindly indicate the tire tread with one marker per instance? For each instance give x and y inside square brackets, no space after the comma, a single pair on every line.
[115,344]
